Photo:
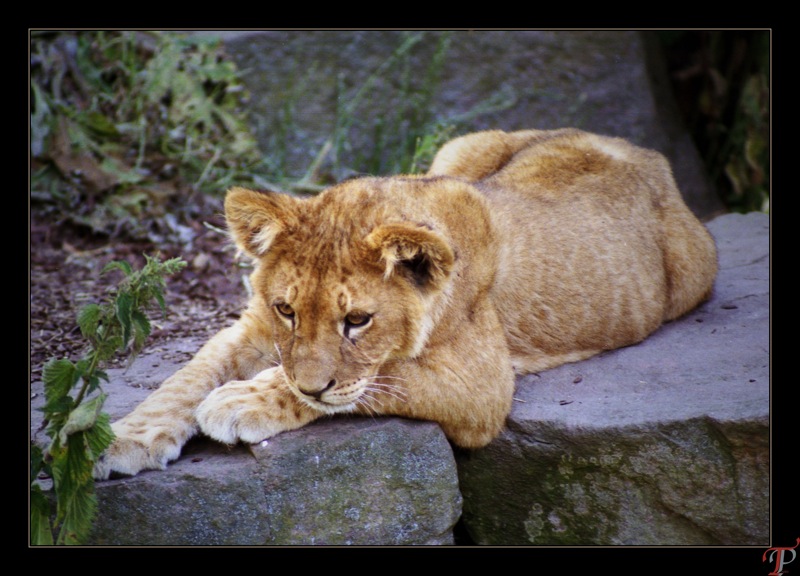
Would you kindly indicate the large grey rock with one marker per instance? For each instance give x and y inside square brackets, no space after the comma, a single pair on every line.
[611,82]
[360,481]
[665,442]
[356,481]
[210,496]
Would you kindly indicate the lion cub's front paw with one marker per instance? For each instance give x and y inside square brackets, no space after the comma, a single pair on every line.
[127,456]
[130,453]
[251,410]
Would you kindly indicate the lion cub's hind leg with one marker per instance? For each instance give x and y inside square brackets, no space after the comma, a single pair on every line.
[252,410]
[690,260]
[689,251]
[536,361]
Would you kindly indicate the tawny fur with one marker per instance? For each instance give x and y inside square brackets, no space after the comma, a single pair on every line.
[421,296]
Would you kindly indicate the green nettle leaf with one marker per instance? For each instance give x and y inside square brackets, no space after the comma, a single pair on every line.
[89,319]
[109,346]
[59,376]
[37,461]
[118,265]
[160,299]
[82,418]
[41,534]
[174,265]
[124,308]
[77,504]
[93,380]
[141,329]
[83,366]
[100,436]
[56,411]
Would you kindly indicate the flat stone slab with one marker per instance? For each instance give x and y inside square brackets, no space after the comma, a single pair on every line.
[664,442]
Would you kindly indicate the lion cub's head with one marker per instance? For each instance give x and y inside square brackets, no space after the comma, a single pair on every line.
[350,279]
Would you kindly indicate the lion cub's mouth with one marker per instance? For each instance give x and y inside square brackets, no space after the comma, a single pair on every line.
[337,397]
[368,392]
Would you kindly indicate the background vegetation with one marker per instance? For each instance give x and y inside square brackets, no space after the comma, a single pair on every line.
[123,124]
[722,87]
[131,130]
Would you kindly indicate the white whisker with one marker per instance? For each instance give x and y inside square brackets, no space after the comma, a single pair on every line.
[387,386]
[388,390]
[364,401]
[374,403]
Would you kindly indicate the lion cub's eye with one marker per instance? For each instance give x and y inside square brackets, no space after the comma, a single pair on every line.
[285,310]
[357,319]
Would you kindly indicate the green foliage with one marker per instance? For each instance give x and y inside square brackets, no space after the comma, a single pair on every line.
[124,125]
[78,429]
[406,123]
[746,153]
[402,129]
[130,120]
[722,80]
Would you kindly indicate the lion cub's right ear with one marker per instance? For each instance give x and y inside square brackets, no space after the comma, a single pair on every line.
[425,255]
[256,218]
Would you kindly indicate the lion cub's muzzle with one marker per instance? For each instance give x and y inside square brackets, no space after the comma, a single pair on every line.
[317,393]
[330,395]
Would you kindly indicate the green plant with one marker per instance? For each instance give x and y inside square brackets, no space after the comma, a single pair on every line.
[396,131]
[722,80]
[79,431]
[126,125]
[401,129]
[127,120]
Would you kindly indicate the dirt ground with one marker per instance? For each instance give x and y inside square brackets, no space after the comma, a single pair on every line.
[65,273]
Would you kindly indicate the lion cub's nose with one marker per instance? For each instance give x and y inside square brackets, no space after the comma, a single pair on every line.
[318,393]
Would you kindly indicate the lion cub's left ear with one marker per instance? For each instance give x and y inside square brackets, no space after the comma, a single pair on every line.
[422,254]
[256,218]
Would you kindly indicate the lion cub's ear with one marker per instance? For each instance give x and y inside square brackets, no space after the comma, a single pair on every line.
[256,218]
[422,254]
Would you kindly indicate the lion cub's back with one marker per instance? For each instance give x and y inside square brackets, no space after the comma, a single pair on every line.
[598,247]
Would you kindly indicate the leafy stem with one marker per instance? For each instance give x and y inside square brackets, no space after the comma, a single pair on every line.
[78,430]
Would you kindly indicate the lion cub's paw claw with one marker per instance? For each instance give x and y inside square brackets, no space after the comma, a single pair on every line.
[129,456]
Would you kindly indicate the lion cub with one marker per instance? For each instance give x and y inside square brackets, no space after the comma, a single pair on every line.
[420,296]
